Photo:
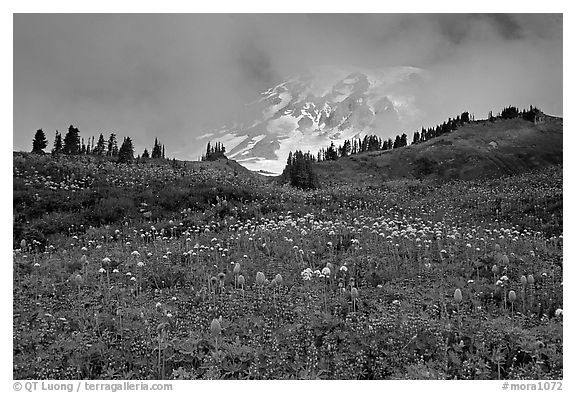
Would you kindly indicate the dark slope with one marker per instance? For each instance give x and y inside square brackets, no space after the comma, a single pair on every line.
[478,150]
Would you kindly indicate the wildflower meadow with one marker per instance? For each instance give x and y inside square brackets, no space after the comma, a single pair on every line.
[196,271]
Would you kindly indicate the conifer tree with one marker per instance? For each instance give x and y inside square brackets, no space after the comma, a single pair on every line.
[156,150]
[299,172]
[57,144]
[126,153]
[403,140]
[72,141]
[112,146]
[100,148]
[39,142]
[346,148]
[331,153]
[214,152]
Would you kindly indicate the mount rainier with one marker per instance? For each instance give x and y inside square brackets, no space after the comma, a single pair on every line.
[309,111]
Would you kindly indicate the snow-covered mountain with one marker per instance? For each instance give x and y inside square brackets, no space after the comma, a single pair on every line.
[308,111]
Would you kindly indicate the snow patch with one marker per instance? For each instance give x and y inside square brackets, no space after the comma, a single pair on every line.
[230,141]
[283,126]
[249,146]
[297,141]
[285,98]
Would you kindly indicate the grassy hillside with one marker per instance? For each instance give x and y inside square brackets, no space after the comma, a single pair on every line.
[51,196]
[129,272]
[478,150]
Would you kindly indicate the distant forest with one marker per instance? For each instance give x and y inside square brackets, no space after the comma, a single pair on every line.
[72,144]
[299,171]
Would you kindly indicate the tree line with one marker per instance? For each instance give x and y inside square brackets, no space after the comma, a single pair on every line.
[72,144]
[511,112]
[299,169]
[375,143]
[215,152]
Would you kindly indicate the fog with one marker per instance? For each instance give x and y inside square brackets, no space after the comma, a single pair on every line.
[177,76]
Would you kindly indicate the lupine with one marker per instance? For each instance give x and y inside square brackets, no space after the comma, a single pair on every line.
[216,330]
[495,271]
[457,295]
[512,297]
[531,290]
[523,281]
[215,327]
[221,277]
[354,294]
[78,280]
[458,299]
[241,282]
[260,278]
[212,285]
[236,272]
[279,279]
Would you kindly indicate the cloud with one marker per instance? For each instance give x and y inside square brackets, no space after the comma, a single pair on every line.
[256,65]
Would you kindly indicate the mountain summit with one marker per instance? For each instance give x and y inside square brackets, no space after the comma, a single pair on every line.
[311,110]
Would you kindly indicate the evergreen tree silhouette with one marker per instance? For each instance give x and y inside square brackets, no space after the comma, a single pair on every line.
[331,153]
[126,153]
[156,150]
[72,141]
[214,152]
[299,171]
[57,144]
[100,148]
[403,140]
[112,146]
[39,142]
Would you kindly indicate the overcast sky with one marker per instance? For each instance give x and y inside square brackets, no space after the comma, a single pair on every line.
[176,76]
